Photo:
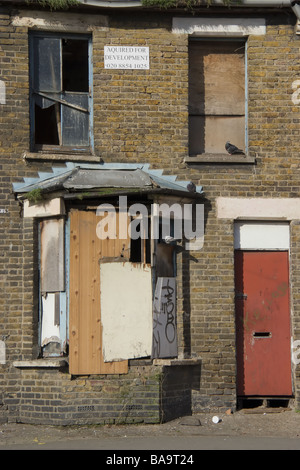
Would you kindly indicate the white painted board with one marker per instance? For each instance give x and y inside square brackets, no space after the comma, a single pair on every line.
[50,330]
[261,236]
[126,310]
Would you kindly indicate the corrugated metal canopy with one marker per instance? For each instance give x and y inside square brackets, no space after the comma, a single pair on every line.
[81,177]
[90,179]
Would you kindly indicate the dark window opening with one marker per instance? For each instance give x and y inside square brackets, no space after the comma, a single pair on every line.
[60,91]
[165,252]
[75,65]
[140,248]
[46,125]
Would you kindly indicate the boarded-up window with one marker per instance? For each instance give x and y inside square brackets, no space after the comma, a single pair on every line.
[111,298]
[60,91]
[126,310]
[87,251]
[52,287]
[52,255]
[216,95]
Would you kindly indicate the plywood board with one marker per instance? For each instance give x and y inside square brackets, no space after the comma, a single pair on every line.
[126,310]
[217,78]
[209,134]
[216,95]
[86,252]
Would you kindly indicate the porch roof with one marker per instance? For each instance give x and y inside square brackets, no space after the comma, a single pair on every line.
[86,177]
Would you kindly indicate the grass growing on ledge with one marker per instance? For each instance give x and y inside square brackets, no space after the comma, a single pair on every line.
[34,196]
[189,4]
[55,4]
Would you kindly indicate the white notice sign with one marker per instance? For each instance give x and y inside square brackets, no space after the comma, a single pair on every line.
[126,57]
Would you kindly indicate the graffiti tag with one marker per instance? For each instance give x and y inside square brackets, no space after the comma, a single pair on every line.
[164,319]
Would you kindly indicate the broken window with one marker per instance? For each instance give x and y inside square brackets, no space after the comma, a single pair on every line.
[52,287]
[140,246]
[60,91]
[111,294]
[216,95]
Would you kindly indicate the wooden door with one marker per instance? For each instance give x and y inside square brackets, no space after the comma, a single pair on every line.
[263,323]
[86,252]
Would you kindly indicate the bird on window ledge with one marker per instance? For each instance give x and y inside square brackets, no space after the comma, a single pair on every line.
[233,150]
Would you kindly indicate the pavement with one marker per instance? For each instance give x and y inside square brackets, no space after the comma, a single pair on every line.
[254,429]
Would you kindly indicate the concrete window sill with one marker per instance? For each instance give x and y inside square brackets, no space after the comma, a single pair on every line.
[82,157]
[41,363]
[177,362]
[212,158]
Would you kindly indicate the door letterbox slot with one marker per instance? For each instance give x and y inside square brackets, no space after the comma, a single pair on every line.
[262,334]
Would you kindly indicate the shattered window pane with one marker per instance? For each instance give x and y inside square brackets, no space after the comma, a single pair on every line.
[47,70]
[74,121]
[60,94]
[46,129]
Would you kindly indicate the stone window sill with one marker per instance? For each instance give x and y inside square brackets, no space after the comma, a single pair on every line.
[177,362]
[72,156]
[54,363]
[212,158]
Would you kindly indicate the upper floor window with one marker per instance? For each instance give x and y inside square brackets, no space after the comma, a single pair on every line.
[60,92]
[216,95]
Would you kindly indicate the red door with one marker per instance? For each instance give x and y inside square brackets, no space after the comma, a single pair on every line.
[263,323]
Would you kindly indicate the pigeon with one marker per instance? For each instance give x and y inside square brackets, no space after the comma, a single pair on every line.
[232,149]
[191,187]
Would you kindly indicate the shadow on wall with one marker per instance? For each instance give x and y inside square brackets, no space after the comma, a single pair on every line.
[176,390]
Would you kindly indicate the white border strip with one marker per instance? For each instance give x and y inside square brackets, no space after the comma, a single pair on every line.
[56,21]
[261,236]
[219,26]
[258,208]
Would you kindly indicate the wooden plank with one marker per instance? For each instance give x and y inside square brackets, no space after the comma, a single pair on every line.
[89,336]
[74,306]
[86,249]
